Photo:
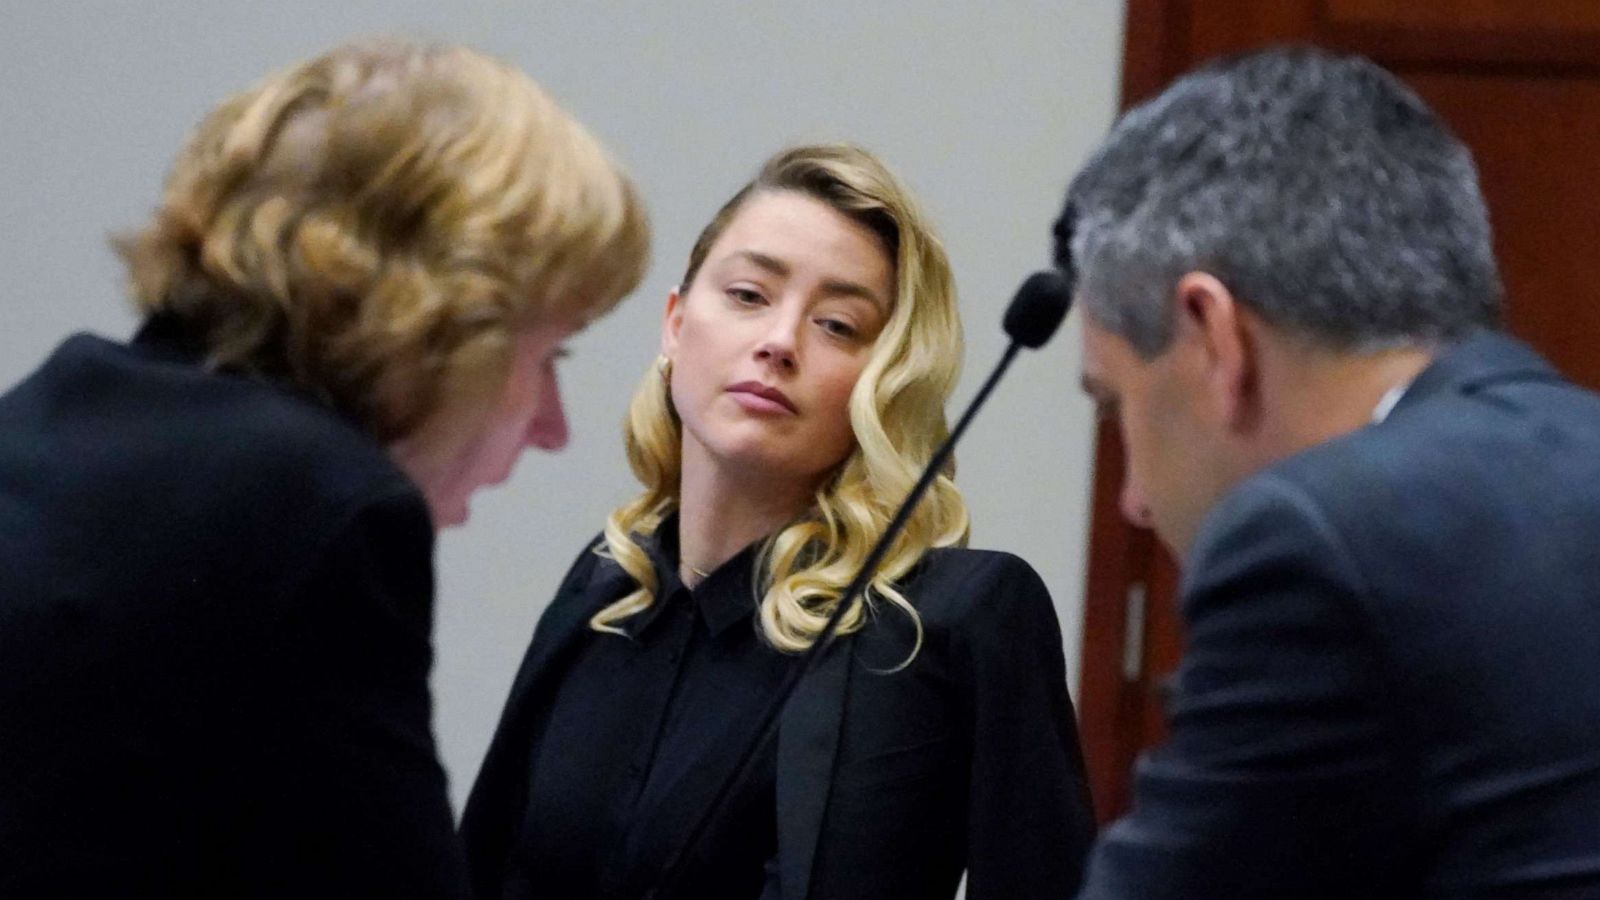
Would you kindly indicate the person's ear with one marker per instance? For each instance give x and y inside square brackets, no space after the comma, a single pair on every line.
[671,322]
[1210,317]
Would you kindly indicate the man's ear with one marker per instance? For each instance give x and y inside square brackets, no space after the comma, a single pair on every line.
[671,321]
[1209,315]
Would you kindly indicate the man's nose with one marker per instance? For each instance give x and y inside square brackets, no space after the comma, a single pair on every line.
[1134,506]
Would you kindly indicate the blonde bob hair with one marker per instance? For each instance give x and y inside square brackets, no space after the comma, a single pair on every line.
[376,225]
[896,413]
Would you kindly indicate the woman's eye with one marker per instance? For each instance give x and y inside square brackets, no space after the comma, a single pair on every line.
[745,296]
[837,328]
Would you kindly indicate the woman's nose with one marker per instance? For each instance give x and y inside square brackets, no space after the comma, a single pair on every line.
[548,430]
[777,347]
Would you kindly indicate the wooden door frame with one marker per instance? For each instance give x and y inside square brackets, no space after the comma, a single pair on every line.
[1112,706]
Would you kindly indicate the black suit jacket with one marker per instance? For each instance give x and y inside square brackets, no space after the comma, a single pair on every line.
[889,784]
[1392,680]
[215,615]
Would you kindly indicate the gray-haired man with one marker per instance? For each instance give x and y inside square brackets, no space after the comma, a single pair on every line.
[1388,512]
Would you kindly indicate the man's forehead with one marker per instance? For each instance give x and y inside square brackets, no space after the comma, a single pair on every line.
[1108,361]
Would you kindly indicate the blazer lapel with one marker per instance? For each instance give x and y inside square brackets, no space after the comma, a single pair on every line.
[808,743]
[494,808]
[554,639]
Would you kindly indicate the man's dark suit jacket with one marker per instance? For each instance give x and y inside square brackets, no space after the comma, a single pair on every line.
[1392,681]
[889,783]
[215,616]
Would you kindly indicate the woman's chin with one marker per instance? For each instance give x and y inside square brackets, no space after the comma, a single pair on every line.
[752,453]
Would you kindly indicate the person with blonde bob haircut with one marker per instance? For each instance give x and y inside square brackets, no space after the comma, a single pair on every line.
[806,358]
[216,582]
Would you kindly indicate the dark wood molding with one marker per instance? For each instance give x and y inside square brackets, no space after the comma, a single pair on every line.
[1154,47]
[1528,53]
[1114,711]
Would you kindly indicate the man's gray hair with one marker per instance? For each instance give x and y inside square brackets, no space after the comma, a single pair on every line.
[1325,195]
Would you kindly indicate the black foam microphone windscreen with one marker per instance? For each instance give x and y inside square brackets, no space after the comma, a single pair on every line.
[1038,308]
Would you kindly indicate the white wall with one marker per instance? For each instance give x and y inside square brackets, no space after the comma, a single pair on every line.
[985,108]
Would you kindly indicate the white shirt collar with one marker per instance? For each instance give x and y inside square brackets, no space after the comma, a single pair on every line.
[1388,401]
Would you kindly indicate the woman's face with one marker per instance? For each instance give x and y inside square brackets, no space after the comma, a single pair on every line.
[768,341]
[527,414]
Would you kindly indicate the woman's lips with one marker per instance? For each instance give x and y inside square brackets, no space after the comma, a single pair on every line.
[757,397]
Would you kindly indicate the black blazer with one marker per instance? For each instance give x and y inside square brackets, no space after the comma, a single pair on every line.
[215,614]
[1392,680]
[889,784]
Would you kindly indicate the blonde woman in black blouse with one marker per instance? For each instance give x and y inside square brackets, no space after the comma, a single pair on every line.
[806,358]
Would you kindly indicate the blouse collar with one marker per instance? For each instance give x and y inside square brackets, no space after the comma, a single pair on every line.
[726,597]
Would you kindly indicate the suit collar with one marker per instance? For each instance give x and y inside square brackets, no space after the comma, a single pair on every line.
[1481,359]
[167,336]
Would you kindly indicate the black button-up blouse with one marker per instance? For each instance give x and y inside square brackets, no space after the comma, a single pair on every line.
[641,731]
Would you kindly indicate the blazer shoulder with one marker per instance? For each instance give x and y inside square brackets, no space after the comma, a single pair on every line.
[1276,511]
[590,565]
[287,439]
[591,578]
[980,565]
[1492,426]
[298,467]
[250,481]
[1441,474]
[958,587]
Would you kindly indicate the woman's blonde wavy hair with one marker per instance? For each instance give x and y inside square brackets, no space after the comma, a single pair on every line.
[376,225]
[896,413]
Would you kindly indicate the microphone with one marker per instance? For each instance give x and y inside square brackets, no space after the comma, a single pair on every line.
[1035,312]
[1038,308]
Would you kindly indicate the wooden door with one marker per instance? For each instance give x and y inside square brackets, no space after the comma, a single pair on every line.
[1519,81]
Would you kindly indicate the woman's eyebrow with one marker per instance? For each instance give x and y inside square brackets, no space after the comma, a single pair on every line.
[837,287]
[771,263]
